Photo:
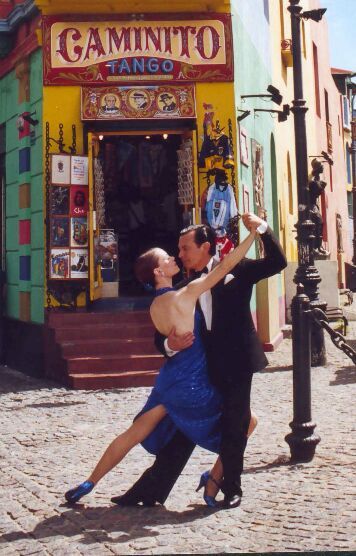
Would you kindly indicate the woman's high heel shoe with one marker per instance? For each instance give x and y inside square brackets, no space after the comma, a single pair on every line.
[204,478]
[72,496]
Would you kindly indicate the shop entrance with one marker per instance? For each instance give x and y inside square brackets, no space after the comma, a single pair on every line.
[137,195]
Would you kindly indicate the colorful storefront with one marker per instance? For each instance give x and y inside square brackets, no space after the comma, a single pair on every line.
[132,99]
[126,132]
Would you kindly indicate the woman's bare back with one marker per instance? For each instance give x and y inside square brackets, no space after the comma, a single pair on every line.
[174,309]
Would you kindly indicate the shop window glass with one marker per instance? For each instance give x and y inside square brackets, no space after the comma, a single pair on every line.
[346,112]
[350,207]
[316,79]
[348,163]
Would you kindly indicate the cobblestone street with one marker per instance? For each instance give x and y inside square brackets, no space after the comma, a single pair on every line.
[51,437]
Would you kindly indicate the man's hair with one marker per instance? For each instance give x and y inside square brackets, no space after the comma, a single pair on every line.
[202,233]
[145,265]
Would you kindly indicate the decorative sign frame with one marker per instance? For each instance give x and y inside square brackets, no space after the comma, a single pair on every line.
[150,102]
[107,50]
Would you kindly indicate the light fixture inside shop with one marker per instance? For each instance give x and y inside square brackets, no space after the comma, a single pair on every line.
[148,136]
[101,137]
[165,135]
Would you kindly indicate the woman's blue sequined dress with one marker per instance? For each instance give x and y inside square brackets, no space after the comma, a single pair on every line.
[192,404]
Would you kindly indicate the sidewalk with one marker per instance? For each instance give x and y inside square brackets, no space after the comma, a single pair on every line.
[51,437]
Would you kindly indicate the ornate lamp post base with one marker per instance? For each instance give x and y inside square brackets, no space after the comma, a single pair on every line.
[302,441]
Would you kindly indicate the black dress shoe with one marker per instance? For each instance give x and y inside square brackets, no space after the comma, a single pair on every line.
[127,500]
[231,501]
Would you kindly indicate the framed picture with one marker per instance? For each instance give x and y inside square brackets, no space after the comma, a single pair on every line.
[79,263]
[60,232]
[59,200]
[59,267]
[79,170]
[79,232]
[244,150]
[245,199]
[258,177]
[60,169]
[78,200]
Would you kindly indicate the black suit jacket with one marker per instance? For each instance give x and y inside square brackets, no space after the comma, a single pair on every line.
[232,345]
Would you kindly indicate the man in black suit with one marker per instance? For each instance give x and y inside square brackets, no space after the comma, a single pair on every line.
[234,353]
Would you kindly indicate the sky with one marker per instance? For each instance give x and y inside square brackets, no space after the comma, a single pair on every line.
[341,18]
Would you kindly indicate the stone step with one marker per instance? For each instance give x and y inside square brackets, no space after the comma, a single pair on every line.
[137,346]
[65,320]
[104,331]
[128,379]
[113,363]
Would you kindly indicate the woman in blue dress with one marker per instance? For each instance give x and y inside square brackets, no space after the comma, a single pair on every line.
[182,397]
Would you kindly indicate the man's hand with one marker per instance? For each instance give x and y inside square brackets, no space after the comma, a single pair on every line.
[177,342]
[251,221]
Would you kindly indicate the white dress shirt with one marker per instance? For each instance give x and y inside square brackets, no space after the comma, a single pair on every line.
[205,298]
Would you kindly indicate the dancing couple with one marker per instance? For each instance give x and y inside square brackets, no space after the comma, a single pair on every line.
[202,392]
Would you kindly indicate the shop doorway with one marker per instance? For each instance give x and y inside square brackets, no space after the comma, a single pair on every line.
[138,202]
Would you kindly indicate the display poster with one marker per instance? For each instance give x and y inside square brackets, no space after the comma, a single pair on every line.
[59,264]
[59,200]
[79,232]
[79,201]
[79,170]
[60,169]
[68,206]
[128,102]
[79,263]
[111,50]
[108,248]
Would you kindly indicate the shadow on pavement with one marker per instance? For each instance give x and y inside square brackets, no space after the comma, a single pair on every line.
[108,524]
[50,405]
[281,461]
[345,375]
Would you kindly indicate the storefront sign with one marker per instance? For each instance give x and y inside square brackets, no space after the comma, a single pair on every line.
[122,103]
[105,50]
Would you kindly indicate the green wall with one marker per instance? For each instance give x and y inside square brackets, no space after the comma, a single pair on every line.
[10,108]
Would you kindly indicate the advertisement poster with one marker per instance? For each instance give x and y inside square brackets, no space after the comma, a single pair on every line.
[60,232]
[61,169]
[79,232]
[59,200]
[79,263]
[79,170]
[79,200]
[60,263]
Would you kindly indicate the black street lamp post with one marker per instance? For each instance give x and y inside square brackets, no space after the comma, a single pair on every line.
[302,440]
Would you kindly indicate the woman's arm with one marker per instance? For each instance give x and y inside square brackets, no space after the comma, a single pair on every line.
[204,283]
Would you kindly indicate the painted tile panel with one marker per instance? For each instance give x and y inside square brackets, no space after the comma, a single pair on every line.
[37,273]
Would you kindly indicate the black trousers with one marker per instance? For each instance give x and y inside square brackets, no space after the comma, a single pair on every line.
[235,420]
[158,480]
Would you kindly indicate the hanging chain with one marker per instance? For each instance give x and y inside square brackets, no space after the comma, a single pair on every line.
[231,145]
[337,339]
[74,139]
[47,219]
[60,139]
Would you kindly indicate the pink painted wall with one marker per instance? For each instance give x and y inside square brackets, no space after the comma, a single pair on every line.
[335,194]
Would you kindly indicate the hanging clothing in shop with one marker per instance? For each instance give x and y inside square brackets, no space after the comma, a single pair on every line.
[220,205]
[151,162]
[216,152]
